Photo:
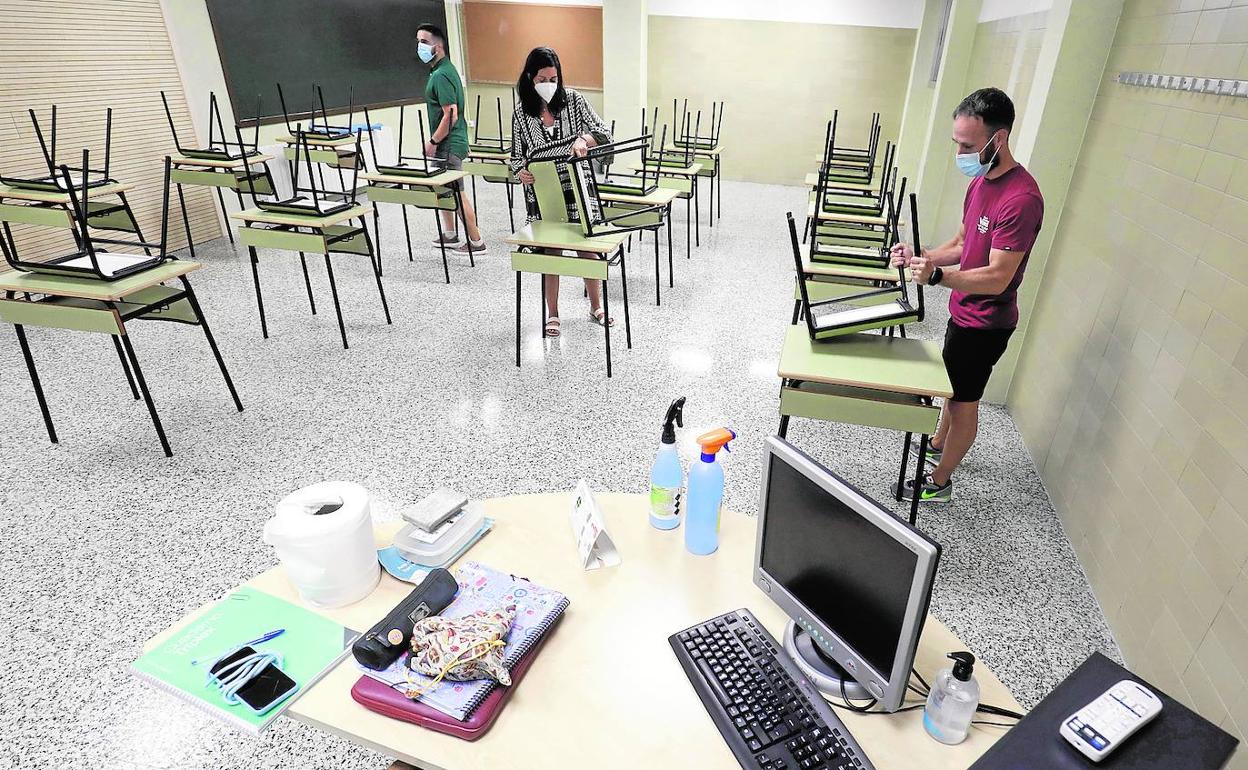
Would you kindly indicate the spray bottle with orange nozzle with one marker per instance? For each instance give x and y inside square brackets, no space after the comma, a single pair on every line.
[706,491]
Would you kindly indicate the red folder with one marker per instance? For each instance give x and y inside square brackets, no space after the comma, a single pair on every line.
[380,697]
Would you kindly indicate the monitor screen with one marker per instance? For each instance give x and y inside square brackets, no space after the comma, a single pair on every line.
[853,576]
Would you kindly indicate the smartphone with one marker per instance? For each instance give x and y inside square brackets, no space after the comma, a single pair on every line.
[266,689]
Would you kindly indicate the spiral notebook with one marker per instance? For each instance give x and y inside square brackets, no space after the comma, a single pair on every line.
[483,588]
[310,646]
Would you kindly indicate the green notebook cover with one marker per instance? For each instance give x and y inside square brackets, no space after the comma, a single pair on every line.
[310,646]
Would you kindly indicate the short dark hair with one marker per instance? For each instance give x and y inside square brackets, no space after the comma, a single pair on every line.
[539,59]
[436,31]
[990,105]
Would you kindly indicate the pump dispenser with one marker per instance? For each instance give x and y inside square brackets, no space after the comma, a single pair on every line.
[953,700]
[706,491]
[667,478]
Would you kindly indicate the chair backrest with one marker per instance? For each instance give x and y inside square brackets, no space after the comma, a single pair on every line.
[802,293]
[548,189]
[914,233]
[49,149]
[81,211]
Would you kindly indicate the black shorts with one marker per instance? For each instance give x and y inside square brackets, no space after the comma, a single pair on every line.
[970,355]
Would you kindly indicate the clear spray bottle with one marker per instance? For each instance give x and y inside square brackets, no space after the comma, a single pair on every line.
[667,478]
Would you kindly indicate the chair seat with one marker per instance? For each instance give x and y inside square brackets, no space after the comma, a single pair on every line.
[110,262]
[860,318]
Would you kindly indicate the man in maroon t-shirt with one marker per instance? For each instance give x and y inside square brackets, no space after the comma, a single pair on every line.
[1001,218]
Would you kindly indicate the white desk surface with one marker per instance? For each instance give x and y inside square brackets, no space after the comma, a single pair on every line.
[606,691]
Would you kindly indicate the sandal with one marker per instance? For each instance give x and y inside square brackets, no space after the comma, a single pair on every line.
[599,317]
[552,326]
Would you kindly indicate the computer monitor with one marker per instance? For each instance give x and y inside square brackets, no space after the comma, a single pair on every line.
[854,579]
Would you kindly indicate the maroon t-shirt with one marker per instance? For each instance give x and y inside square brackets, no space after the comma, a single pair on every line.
[1003,213]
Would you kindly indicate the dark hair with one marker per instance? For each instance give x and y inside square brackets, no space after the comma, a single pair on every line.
[990,105]
[436,31]
[540,58]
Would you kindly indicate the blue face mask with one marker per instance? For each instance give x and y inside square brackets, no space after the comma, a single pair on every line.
[970,164]
[425,52]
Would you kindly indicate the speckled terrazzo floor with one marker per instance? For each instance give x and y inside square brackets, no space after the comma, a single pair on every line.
[106,542]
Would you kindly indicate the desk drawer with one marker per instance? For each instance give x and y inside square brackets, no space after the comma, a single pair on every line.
[426,198]
[42,216]
[491,172]
[265,238]
[859,406]
[552,264]
[92,317]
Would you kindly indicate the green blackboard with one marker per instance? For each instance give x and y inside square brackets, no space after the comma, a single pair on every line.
[365,45]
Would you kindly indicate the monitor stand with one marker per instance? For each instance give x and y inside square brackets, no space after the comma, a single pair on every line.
[824,673]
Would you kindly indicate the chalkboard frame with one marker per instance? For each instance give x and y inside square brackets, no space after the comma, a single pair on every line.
[336,104]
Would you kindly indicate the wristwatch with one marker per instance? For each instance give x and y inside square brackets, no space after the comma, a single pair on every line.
[936,277]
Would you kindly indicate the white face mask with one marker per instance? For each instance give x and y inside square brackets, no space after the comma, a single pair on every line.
[546,90]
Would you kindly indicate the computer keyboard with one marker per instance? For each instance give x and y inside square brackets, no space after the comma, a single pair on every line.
[771,716]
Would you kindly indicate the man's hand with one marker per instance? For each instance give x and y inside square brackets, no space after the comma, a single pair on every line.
[431,149]
[921,269]
[525,176]
[901,254]
[580,147]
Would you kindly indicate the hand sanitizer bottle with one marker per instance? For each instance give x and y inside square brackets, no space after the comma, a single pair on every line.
[953,700]
[667,478]
[706,491]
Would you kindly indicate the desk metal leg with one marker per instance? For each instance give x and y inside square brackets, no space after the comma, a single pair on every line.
[212,342]
[719,205]
[463,217]
[658,275]
[377,229]
[783,430]
[541,279]
[186,222]
[255,277]
[606,317]
[224,213]
[905,462]
[333,290]
[628,329]
[918,478]
[446,269]
[385,306]
[697,226]
[147,395]
[34,381]
[671,280]
[688,228]
[710,203]
[511,206]
[125,366]
[307,281]
[518,317]
[407,231]
[797,311]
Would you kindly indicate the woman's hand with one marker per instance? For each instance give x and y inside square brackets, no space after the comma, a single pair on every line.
[580,147]
[525,176]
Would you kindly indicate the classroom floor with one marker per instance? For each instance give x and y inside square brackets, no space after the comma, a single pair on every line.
[107,542]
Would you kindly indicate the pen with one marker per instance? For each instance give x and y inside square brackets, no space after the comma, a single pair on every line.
[259,640]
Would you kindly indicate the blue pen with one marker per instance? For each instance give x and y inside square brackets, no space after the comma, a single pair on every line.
[260,640]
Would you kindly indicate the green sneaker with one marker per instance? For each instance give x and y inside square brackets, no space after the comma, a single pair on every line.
[931,492]
[933,455]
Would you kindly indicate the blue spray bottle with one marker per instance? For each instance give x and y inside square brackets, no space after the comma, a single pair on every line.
[667,479]
[706,491]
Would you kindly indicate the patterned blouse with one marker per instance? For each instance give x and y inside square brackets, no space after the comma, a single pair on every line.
[530,142]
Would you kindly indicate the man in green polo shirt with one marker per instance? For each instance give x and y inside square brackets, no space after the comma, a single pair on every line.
[444,98]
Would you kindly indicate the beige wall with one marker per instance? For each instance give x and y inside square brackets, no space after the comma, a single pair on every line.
[85,58]
[1132,384]
[490,91]
[1004,56]
[781,82]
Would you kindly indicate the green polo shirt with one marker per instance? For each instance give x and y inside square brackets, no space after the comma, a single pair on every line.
[445,88]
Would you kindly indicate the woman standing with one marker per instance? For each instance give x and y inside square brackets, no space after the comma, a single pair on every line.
[554,123]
